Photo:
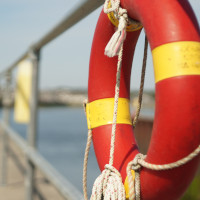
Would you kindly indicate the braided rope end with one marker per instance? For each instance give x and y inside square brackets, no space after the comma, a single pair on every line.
[108,185]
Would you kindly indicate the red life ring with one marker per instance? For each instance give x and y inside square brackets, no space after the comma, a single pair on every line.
[174,37]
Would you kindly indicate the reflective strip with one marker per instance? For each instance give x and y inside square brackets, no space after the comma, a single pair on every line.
[100,112]
[176,59]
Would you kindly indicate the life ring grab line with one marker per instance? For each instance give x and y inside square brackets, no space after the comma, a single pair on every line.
[100,112]
[175,75]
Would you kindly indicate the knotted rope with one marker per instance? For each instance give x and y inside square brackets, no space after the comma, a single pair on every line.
[109,184]
[114,45]
[138,162]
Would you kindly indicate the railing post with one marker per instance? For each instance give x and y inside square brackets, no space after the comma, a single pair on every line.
[32,126]
[6,101]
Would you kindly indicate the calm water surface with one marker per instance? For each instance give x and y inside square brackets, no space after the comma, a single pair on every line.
[62,135]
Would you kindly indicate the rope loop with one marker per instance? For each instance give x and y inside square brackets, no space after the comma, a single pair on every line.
[139,161]
[111,6]
[114,45]
[116,42]
[136,163]
[122,13]
[134,185]
[123,20]
[108,185]
[112,169]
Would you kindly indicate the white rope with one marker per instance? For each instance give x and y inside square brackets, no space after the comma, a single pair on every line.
[87,149]
[109,184]
[119,64]
[138,162]
[114,45]
[130,181]
[134,189]
[170,165]
[114,6]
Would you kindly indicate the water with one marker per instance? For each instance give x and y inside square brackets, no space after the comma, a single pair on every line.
[62,139]
[62,135]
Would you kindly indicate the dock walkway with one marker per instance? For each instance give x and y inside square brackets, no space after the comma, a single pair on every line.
[15,187]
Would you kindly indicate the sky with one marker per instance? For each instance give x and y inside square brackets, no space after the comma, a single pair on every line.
[65,60]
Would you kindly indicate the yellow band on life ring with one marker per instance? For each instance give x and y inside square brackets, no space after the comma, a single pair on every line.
[100,112]
[132,25]
[176,59]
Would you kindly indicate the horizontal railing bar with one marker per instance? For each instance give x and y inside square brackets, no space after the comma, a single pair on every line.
[11,67]
[75,15]
[64,187]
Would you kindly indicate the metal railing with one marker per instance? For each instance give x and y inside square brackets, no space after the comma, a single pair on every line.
[29,146]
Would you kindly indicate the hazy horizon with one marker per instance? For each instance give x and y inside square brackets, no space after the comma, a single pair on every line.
[25,22]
